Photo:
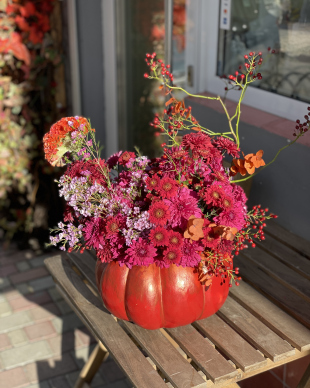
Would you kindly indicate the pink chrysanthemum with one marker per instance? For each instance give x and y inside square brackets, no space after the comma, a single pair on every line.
[141,252]
[167,187]
[213,194]
[159,213]
[93,233]
[104,254]
[172,255]
[190,255]
[239,194]
[232,218]
[196,141]
[112,226]
[159,236]
[226,202]
[152,183]
[182,206]
[175,239]
[226,145]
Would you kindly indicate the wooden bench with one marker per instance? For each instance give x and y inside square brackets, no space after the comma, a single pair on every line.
[263,324]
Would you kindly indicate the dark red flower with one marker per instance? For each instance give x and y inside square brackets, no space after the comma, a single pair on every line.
[125,157]
[159,213]
[152,183]
[159,236]
[196,141]
[168,187]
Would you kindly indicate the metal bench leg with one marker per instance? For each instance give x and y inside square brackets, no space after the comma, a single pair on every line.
[98,356]
[305,380]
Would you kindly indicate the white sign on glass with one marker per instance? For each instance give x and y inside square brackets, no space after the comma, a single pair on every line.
[225,14]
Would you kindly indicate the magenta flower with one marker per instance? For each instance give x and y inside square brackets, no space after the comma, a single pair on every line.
[182,206]
[190,256]
[93,233]
[141,252]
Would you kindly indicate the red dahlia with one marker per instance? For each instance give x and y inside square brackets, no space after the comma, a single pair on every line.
[172,255]
[159,213]
[168,187]
[159,236]
[152,183]
[175,239]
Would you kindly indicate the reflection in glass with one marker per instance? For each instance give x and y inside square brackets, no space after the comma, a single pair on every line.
[283,26]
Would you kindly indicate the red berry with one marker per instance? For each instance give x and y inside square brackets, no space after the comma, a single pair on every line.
[146,75]
[253,245]
[246,57]
[250,54]
[237,283]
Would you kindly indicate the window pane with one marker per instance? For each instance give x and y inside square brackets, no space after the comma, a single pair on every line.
[282,25]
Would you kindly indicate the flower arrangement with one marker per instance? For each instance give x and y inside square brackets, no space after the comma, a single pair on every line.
[182,208]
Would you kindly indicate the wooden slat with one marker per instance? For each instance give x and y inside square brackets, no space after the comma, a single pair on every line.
[86,263]
[231,343]
[287,238]
[177,370]
[275,318]
[209,360]
[279,271]
[254,331]
[286,255]
[279,294]
[121,347]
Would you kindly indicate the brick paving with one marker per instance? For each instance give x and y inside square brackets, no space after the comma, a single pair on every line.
[43,344]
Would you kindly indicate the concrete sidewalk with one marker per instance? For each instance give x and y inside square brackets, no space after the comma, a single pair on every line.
[43,344]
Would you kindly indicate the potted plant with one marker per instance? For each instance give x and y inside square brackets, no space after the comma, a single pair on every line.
[164,229]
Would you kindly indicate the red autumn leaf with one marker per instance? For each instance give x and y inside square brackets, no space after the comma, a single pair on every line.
[170,101]
[160,87]
[196,129]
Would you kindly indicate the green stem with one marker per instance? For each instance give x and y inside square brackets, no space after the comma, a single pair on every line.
[268,164]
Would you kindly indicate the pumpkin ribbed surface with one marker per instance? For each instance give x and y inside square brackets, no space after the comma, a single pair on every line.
[154,297]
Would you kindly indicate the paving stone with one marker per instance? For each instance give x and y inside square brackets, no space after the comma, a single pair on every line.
[41,384]
[84,336]
[67,322]
[24,354]
[119,384]
[43,313]
[63,343]
[30,301]
[18,337]
[4,342]
[55,294]
[42,283]
[13,378]
[4,283]
[23,288]
[23,266]
[96,382]
[7,270]
[5,309]
[82,355]
[59,382]
[11,293]
[64,307]
[15,321]
[38,261]
[27,276]
[40,331]
[50,368]
[111,371]
[14,257]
